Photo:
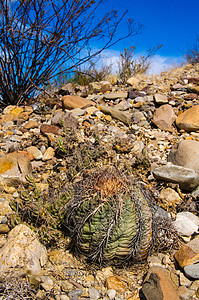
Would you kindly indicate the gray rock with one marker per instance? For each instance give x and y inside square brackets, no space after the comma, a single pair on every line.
[185,154]
[186,178]
[75,293]
[76,112]
[190,216]
[192,271]
[66,90]
[56,118]
[117,114]
[94,294]
[184,226]
[115,95]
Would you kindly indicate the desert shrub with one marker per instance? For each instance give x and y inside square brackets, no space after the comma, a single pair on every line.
[39,36]
[192,55]
[129,65]
[90,73]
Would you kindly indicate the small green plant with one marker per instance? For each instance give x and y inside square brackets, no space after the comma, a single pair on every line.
[44,212]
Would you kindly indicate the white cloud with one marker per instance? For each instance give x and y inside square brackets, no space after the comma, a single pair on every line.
[163,63]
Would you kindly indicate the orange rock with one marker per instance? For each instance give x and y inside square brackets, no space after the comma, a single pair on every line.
[189,120]
[188,254]
[115,283]
[71,102]
[13,168]
[158,281]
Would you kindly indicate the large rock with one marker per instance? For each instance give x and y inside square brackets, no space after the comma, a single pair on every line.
[13,168]
[188,254]
[71,102]
[158,285]
[189,120]
[164,117]
[22,251]
[185,154]
[186,178]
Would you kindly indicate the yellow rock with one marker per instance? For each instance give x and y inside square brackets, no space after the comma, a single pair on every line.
[114,282]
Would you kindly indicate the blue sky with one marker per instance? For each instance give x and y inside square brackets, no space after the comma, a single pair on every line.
[174,24]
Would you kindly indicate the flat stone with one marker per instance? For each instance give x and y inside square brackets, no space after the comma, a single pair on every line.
[161,98]
[186,178]
[94,87]
[37,154]
[12,111]
[31,124]
[71,102]
[115,95]
[185,154]
[189,216]
[189,120]
[93,294]
[164,117]
[78,112]
[46,128]
[192,271]
[67,89]
[188,254]
[91,110]
[184,280]
[46,283]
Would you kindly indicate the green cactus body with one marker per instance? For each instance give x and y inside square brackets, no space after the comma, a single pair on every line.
[114,223]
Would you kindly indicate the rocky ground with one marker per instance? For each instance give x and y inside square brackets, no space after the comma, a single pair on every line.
[149,130]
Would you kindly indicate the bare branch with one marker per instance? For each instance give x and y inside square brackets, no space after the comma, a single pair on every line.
[39,36]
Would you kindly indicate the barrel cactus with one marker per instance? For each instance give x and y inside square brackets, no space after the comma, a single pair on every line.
[109,218]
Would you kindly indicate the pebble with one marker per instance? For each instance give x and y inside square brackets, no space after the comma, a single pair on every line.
[93,293]
[111,294]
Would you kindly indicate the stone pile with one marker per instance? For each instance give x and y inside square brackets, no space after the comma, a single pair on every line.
[156,117]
